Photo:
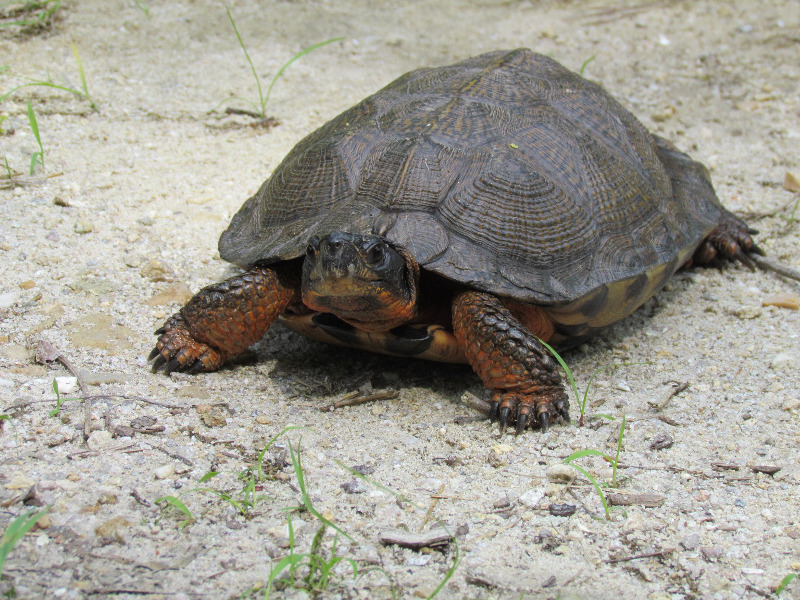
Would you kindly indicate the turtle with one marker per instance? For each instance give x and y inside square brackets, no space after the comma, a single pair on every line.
[483,212]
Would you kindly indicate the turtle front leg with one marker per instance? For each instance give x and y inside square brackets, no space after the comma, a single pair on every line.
[222,320]
[525,384]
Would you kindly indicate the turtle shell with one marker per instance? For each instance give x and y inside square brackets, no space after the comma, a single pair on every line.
[505,172]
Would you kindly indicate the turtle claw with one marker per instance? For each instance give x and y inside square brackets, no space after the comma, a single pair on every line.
[197,367]
[505,412]
[493,411]
[159,360]
[544,421]
[177,350]
[522,422]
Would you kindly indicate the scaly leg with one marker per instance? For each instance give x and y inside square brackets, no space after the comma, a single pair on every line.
[730,240]
[223,320]
[520,372]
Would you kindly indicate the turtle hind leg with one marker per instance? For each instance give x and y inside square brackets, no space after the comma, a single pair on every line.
[731,239]
[222,320]
[526,387]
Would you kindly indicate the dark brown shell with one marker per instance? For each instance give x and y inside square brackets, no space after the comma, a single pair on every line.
[505,172]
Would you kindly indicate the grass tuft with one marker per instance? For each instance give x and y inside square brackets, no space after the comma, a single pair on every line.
[613,460]
[29,15]
[261,106]
[81,93]
[16,530]
[582,401]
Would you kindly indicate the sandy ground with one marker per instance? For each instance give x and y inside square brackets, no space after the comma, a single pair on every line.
[95,257]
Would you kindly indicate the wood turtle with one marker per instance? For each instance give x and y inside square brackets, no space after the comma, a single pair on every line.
[463,214]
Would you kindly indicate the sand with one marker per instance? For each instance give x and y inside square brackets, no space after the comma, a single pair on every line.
[123,222]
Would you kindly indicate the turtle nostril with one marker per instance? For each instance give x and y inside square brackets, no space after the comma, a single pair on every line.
[331,248]
[375,255]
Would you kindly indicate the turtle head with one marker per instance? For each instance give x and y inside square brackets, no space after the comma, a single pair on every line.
[363,279]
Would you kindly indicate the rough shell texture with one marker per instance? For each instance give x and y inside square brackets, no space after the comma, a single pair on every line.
[506,172]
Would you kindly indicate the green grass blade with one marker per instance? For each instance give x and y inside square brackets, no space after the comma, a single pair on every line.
[82,74]
[297,56]
[36,156]
[596,486]
[301,482]
[784,582]
[565,367]
[16,530]
[177,504]
[261,98]
[586,64]
[619,449]
[585,452]
[208,476]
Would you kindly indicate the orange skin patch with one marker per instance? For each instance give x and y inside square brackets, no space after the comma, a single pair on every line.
[366,307]
[520,372]
[224,319]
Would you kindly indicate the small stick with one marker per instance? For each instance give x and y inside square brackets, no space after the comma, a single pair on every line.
[434,501]
[415,541]
[183,459]
[770,265]
[87,402]
[638,556]
[243,111]
[662,404]
[384,395]
[138,497]
[648,500]
[84,453]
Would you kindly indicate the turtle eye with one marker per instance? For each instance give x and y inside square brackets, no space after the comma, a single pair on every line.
[376,255]
[312,248]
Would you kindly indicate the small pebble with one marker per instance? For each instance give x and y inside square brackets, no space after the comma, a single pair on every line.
[661,442]
[155,271]
[67,385]
[19,482]
[177,292]
[354,487]
[532,497]
[691,542]
[791,404]
[8,299]
[560,473]
[562,510]
[83,227]
[783,361]
[164,472]
[99,440]
[711,552]
[747,312]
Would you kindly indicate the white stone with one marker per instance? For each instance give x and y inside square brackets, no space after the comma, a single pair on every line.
[164,472]
[67,385]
